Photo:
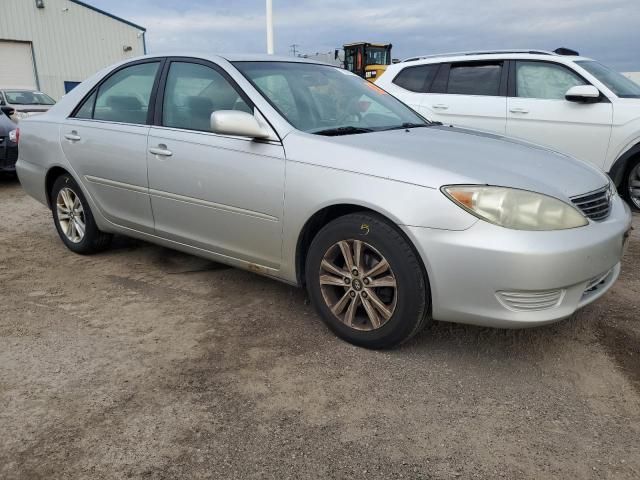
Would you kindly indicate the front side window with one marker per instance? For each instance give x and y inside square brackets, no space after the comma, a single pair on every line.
[327,100]
[416,79]
[544,80]
[28,97]
[193,92]
[620,85]
[124,97]
[475,79]
[378,56]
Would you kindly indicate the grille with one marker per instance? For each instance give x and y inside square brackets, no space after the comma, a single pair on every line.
[530,301]
[595,205]
[12,154]
[596,284]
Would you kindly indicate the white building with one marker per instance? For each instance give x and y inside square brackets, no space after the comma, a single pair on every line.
[52,45]
[635,76]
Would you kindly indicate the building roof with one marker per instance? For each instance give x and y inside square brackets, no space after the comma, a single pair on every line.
[95,9]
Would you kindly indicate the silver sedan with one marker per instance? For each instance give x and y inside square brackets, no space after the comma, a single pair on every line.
[308,174]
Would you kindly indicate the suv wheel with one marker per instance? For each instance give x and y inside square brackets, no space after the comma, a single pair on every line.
[73,218]
[366,282]
[632,184]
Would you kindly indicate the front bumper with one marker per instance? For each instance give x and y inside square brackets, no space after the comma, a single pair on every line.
[8,155]
[493,276]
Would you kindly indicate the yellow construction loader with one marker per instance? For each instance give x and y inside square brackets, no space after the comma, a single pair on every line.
[368,60]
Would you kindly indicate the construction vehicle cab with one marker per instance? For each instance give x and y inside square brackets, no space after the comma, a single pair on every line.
[367,60]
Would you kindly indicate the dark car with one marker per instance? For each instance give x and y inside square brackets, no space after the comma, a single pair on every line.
[8,144]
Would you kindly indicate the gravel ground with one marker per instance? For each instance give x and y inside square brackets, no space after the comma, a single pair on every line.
[142,362]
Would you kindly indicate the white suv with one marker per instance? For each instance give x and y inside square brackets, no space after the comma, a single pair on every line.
[569,103]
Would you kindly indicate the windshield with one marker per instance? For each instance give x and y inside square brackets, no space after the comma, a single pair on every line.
[377,56]
[323,99]
[28,97]
[616,82]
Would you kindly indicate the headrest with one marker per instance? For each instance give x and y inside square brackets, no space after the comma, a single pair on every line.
[124,102]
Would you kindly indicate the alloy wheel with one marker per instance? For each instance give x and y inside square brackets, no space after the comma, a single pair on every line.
[70,215]
[634,185]
[358,285]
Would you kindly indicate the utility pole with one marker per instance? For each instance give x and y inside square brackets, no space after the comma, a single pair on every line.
[270,27]
[294,49]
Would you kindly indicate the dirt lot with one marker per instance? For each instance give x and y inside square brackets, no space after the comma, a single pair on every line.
[146,363]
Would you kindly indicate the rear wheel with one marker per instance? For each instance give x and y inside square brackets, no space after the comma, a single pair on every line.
[632,184]
[366,281]
[73,218]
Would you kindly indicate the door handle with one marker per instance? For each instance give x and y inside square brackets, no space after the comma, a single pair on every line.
[441,106]
[73,136]
[161,151]
[518,110]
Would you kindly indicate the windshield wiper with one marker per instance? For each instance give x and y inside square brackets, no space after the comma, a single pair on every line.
[332,132]
[409,125]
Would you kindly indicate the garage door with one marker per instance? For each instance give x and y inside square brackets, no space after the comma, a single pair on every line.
[16,60]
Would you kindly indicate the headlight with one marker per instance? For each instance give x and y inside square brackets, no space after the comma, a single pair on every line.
[13,136]
[517,209]
[20,115]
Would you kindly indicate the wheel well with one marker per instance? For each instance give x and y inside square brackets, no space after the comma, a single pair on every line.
[314,225]
[51,177]
[319,220]
[621,165]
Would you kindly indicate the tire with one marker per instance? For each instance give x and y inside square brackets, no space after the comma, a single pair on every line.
[406,305]
[632,175]
[92,240]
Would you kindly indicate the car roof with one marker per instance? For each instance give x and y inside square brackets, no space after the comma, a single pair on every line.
[492,55]
[231,57]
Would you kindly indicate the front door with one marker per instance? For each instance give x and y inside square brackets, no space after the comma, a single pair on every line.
[539,113]
[219,193]
[106,142]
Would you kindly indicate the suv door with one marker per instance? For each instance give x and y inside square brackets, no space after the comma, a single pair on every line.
[216,192]
[469,94]
[538,111]
[105,140]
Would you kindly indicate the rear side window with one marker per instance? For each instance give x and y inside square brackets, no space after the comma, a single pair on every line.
[86,110]
[475,79]
[193,92]
[124,97]
[416,79]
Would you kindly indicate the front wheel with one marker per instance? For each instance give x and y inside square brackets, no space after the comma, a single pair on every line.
[366,281]
[73,218]
[632,184]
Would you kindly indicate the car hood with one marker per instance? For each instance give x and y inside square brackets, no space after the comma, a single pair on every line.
[438,155]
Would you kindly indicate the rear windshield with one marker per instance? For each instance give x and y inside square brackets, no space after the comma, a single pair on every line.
[28,97]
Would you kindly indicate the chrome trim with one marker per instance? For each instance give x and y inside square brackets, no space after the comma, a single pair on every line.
[595,205]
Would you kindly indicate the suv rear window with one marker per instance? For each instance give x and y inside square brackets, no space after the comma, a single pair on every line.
[416,79]
[475,79]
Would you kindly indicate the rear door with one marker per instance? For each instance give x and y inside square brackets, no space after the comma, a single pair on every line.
[538,111]
[469,94]
[105,140]
[411,84]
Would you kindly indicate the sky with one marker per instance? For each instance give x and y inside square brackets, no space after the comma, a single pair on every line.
[606,30]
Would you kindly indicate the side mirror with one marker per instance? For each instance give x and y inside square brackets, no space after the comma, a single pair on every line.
[583,94]
[8,111]
[241,124]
